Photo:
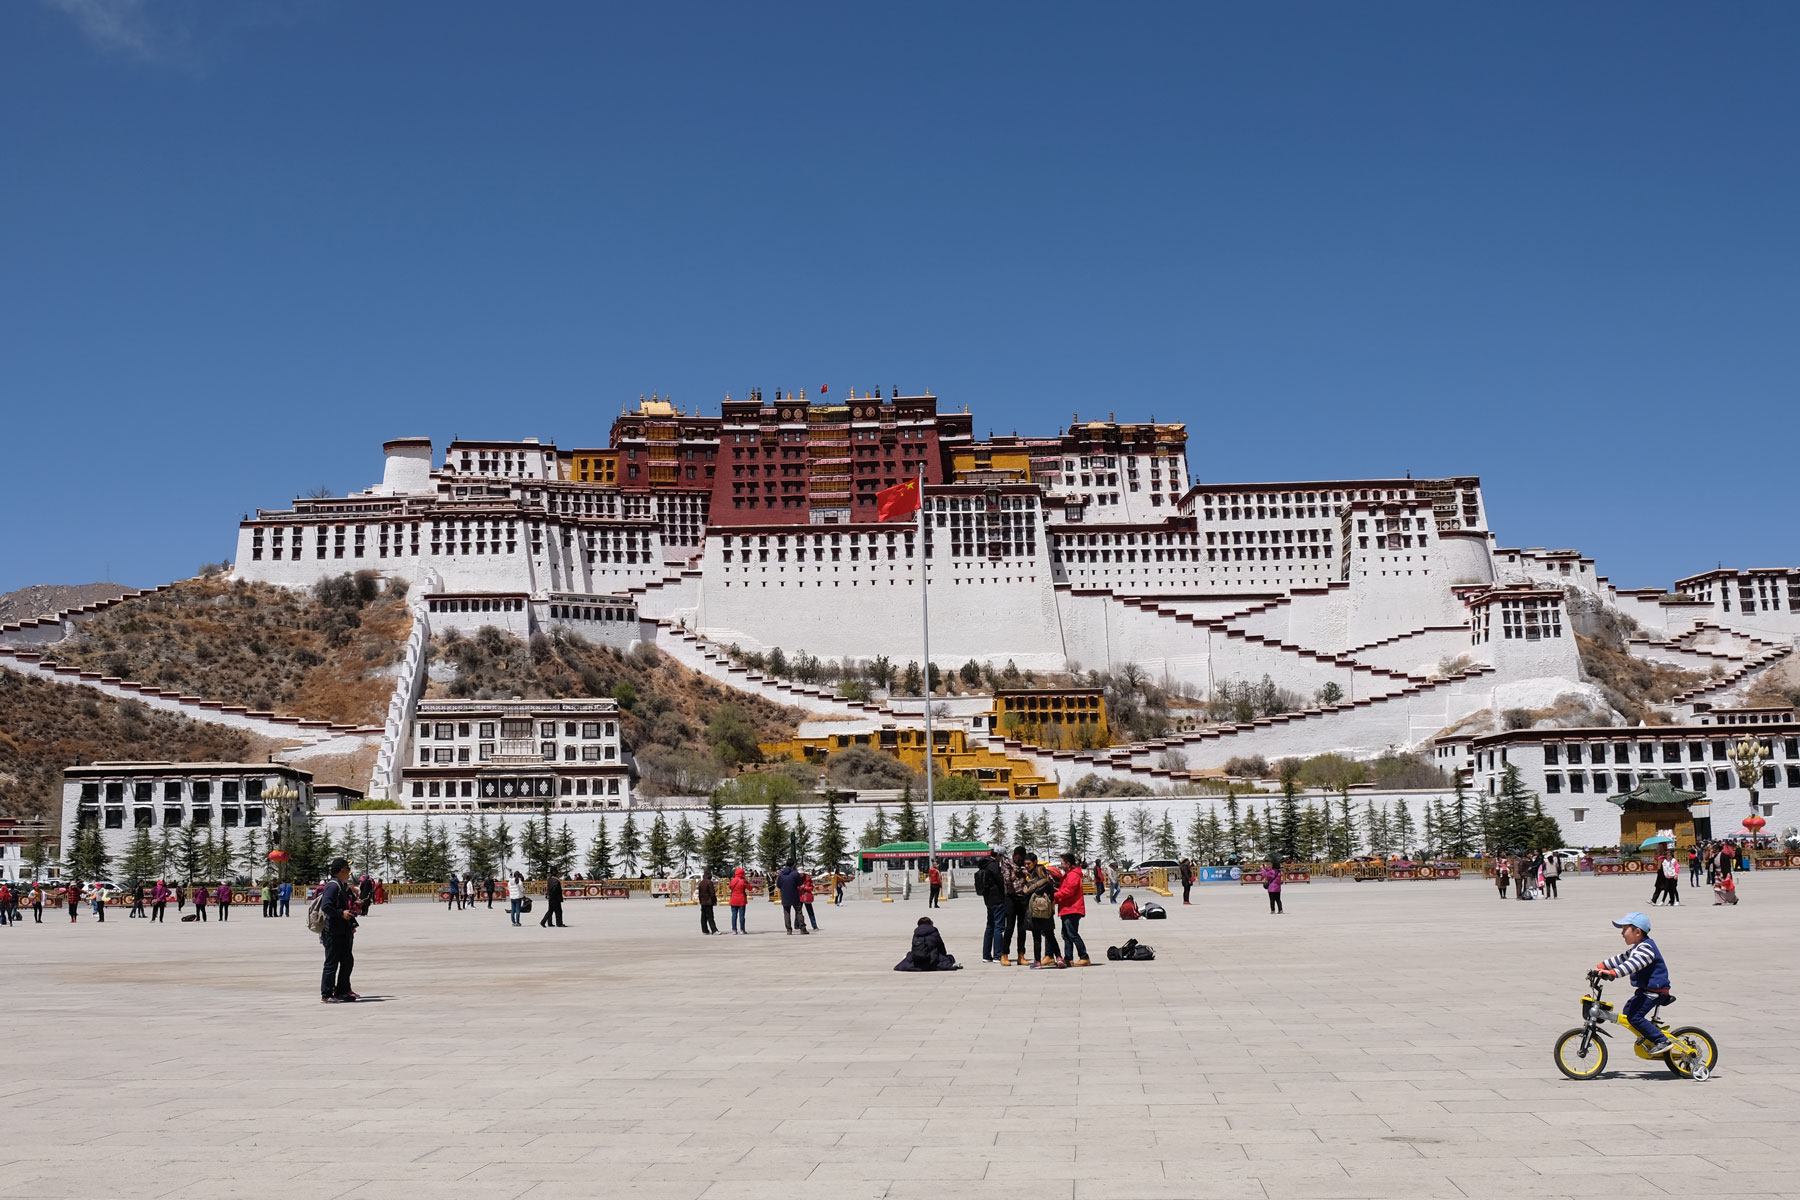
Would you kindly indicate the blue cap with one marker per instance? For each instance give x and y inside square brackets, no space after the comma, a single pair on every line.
[1638,919]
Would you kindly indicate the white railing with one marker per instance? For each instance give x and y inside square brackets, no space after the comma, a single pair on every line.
[384,783]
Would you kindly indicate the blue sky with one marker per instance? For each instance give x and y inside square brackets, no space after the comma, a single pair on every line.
[1553,245]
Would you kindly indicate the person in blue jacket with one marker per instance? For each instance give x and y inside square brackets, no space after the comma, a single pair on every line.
[1643,962]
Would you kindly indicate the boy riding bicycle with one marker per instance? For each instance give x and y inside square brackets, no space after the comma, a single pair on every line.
[1643,962]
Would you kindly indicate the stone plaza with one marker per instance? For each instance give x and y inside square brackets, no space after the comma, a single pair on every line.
[1378,1040]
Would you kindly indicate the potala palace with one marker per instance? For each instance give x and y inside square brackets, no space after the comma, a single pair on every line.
[1083,549]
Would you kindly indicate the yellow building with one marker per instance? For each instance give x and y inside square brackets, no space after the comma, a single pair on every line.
[985,462]
[592,466]
[1058,718]
[994,773]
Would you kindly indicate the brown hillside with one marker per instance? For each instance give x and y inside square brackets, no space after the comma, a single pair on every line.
[1632,685]
[672,715]
[317,654]
[43,599]
[46,726]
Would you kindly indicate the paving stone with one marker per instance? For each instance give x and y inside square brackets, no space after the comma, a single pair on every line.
[1378,1041]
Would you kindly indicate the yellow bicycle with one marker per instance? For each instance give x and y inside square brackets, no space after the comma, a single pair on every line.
[1581,1052]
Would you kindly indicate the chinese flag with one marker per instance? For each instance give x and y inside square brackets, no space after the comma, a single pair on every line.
[898,502]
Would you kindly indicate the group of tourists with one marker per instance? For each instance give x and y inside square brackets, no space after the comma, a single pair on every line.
[792,885]
[1715,861]
[1531,876]
[1027,895]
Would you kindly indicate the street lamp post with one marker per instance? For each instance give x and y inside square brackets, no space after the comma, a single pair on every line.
[1748,756]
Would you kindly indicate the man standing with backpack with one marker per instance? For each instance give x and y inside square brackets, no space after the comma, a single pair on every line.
[990,885]
[334,917]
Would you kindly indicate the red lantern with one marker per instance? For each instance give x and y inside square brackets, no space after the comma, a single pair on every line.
[1754,824]
[278,856]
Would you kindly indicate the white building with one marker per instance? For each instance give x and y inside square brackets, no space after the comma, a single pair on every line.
[120,798]
[1575,770]
[510,754]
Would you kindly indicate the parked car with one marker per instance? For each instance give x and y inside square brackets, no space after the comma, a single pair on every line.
[1172,864]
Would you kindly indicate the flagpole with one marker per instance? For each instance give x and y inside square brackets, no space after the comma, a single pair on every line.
[930,746]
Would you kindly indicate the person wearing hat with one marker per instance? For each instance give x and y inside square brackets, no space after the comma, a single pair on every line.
[338,904]
[1643,962]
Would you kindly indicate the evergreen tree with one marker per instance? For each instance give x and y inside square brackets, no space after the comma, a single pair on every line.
[190,855]
[802,841]
[1287,842]
[907,827]
[743,848]
[1043,833]
[1373,826]
[1022,829]
[139,863]
[1167,845]
[1484,824]
[250,855]
[631,845]
[660,853]
[996,832]
[772,841]
[564,857]
[479,848]
[1315,831]
[165,855]
[503,845]
[1342,842]
[1084,831]
[388,849]
[1402,827]
[715,843]
[87,857]
[531,847]
[599,856]
[209,856]
[1513,830]
[1212,847]
[1234,829]
[467,839]
[831,836]
[1112,837]
[1252,834]
[403,853]
[687,845]
[1433,827]
[1546,834]
[348,848]
[875,833]
[1456,841]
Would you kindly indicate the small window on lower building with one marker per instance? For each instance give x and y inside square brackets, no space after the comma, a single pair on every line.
[1578,814]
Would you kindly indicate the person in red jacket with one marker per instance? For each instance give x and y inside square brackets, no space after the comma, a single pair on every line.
[1071,906]
[1128,909]
[936,879]
[740,899]
[806,899]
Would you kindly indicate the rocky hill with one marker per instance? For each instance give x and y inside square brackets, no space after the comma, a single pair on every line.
[45,727]
[43,599]
[326,654]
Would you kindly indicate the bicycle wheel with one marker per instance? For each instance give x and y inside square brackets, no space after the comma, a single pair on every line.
[1572,1061]
[1706,1052]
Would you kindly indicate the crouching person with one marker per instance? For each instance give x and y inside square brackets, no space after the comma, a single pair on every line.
[928,952]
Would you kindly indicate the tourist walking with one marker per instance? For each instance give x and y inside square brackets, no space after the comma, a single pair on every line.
[1521,878]
[6,905]
[707,893]
[1271,880]
[489,888]
[936,879]
[1187,882]
[97,895]
[337,903]
[159,901]
[740,898]
[1071,906]
[1112,870]
[1099,883]
[1671,874]
[1040,910]
[451,898]
[285,897]
[1502,872]
[201,896]
[222,901]
[788,884]
[1693,863]
[1552,873]
[837,888]
[806,898]
[268,897]
[990,885]
[1018,921]
[72,898]
[553,897]
[137,900]
[37,904]
[515,895]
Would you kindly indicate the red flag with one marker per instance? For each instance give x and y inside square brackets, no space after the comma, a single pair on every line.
[823,389]
[898,502]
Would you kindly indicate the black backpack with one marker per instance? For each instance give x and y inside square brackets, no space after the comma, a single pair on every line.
[1153,912]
